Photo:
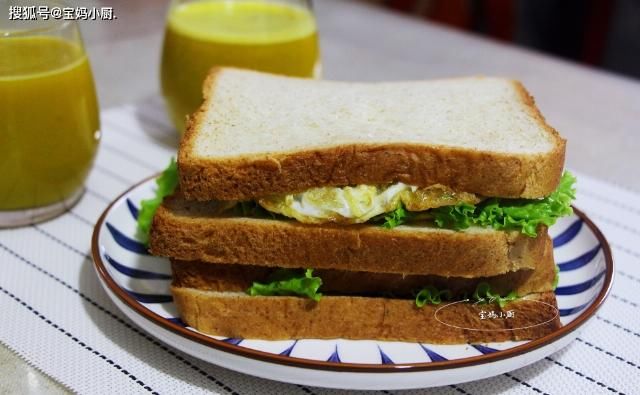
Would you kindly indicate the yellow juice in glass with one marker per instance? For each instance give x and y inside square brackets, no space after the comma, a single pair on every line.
[48,120]
[266,36]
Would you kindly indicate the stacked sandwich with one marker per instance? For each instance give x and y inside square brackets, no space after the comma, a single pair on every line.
[413,211]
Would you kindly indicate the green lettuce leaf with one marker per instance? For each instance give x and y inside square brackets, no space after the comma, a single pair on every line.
[556,279]
[166,185]
[483,294]
[289,282]
[521,214]
[431,295]
[455,217]
[396,217]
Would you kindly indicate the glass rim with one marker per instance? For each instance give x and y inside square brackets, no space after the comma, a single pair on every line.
[56,24]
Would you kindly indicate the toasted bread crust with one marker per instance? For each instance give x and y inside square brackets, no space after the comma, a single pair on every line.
[183,230]
[466,170]
[282,317]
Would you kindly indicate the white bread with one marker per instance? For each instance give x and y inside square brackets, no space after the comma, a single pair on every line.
[258,134]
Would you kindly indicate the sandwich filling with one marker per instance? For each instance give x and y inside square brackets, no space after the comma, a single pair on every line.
[313,284]
[398,203]
[359,204]
[388,205]
[290,282]
[395,204]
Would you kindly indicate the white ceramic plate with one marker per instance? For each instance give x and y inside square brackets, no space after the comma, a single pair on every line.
[139,285]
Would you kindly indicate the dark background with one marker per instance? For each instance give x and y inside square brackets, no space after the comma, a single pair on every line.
[600,33]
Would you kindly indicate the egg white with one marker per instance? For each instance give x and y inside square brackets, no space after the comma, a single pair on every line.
[358,204]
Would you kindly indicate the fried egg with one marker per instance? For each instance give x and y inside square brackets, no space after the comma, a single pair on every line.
[358,204]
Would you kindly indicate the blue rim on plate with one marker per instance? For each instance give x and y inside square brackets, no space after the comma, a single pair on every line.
[146,292]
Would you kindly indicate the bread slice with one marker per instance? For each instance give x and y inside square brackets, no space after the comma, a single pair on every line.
[238,278]
[235,314]
[258,134]
[189,231]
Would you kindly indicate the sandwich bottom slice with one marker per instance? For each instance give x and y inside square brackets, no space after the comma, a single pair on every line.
[213,299]
[238,315]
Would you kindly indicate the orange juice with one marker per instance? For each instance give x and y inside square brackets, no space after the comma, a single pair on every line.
[48,120]
[267,36]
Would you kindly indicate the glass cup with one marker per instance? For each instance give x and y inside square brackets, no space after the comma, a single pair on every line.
[273,36]
[49,122]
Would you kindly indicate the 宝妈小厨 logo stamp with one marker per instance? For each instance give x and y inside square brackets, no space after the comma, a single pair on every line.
[493,317]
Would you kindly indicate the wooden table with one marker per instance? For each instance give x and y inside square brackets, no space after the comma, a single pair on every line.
[598,113]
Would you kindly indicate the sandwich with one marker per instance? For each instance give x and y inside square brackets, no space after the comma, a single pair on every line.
[408,211]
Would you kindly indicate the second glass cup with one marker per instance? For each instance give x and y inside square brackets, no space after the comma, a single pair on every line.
[273,36]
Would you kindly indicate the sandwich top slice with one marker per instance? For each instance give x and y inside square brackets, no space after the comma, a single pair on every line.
[456,153]
[258,135]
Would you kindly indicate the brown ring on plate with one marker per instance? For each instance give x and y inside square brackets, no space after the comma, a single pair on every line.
[344,366]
